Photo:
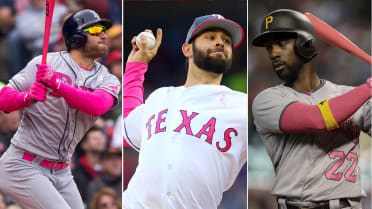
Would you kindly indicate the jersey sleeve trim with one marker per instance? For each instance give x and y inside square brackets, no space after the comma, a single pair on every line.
[14,83]
[129,140]
[281,115]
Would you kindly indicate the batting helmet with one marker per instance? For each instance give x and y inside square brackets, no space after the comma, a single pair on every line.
[289,23]
[72,29]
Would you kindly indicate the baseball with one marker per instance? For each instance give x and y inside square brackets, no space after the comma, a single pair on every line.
[150,39]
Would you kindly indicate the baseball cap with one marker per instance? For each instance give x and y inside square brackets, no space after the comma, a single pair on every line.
[216,21]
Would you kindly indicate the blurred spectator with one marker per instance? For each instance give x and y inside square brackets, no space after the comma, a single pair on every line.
[115,37]
[87,168]
[7,16]
[106,199]
[60,45]
[7,22]
[26,40]
[114,64]
[9,125]
[111,166]
[115,12]
[101,6]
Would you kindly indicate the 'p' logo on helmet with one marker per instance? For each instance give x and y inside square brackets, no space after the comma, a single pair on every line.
[268,20]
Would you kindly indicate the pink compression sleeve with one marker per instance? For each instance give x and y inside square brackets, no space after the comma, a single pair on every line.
[300,117]
[93,103]
[133,88]
[12,100]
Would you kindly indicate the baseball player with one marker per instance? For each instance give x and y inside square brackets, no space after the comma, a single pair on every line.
[35,170]
[310,126]
[192,139]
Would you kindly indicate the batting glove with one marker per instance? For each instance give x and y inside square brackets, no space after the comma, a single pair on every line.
[36,92]
[46,75]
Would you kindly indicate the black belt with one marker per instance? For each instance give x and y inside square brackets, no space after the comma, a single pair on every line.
[324,205]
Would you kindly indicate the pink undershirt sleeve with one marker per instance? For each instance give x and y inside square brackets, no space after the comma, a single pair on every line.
[300,117]
[134,76]
[133,86]
[93,103]
[12,100]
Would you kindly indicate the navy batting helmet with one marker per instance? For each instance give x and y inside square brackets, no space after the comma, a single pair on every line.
[289,23]
[72,29]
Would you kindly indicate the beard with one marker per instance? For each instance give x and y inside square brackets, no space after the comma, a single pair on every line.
[290,72]
[211,64]
[95,51]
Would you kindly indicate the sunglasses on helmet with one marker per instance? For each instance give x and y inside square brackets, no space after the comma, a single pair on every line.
[95,30]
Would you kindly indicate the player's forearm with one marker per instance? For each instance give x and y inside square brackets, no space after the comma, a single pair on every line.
[133,86]
[93,103]
[299,117]
[12,100]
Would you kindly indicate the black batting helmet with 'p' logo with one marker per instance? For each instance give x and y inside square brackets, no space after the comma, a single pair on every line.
[288,23]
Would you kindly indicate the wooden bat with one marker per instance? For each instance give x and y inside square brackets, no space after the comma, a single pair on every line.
[332,36]
[48,23]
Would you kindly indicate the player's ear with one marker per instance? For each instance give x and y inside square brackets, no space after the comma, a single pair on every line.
[187,50]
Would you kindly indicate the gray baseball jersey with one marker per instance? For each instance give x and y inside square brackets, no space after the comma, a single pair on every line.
[193,143]
[310,166]
[52,129]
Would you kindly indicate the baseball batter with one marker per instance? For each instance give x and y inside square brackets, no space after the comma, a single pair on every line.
[192,139]
[310,126]
[35,170]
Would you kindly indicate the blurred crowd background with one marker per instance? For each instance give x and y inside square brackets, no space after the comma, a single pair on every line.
[97,162]
[350,17]
[168,67]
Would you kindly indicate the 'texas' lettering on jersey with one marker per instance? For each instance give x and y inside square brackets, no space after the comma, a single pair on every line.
[207,129]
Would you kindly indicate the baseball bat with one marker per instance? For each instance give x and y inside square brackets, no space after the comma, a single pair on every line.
[332,36]
[48,23]
[49,8]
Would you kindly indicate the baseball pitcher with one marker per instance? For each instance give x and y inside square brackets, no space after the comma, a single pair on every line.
[60,102]
[192,139]
[310,126]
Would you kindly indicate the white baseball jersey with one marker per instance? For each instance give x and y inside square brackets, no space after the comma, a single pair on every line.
[52,129]
[310,166]
[192,144]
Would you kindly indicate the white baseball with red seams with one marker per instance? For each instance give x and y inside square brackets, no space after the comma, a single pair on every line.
[150,39]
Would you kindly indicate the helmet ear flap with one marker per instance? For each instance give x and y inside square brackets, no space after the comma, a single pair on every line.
[305,48]
[78,40]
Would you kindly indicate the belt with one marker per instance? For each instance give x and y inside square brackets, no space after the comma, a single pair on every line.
[46,163]
[323,205]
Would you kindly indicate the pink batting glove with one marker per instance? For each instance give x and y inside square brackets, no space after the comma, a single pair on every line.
[36,92]
[46,75]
